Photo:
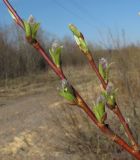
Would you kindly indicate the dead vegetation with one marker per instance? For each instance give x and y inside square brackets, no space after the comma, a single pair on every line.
[54,130]
[37,124]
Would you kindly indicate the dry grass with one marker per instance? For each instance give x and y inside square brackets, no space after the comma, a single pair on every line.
[66,133]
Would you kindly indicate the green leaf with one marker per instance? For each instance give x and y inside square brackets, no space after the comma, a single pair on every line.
[52,55]
[74,30]
[35,28]
[110,95]
[83,45]
[101,71]
[56,56]
[77,40]
[111,100]
[99,111]
[28,30]
[104,94]
[106,74]
[67,95]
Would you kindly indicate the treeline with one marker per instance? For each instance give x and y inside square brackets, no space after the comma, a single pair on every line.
[18,58]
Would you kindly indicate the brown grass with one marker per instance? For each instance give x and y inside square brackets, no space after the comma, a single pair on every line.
[67,133]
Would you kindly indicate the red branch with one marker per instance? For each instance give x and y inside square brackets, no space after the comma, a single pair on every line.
[80,102]
[116,109]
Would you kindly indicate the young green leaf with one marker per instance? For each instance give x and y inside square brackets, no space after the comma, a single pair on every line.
[28,30]
[67,95]
[56,55]
[83,46]
[102,71]
[99,111]
[111,100]
[34,29]
[110,95]
[77,40]
[104,94]
[31,28]
[74,30]
[67,91]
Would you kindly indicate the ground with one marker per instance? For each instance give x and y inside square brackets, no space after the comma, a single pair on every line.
[37,124]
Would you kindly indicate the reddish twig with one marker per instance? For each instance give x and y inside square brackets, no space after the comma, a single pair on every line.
[108,132]
[93,65]
[18,19]
[58,71]
[79,100]
[116,109]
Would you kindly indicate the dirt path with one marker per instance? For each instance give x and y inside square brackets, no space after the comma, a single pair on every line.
[23,117]
[31,128]
[42,127]
[23,113]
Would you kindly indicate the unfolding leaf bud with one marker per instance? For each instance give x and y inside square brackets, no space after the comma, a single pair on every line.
[67,91]
[110,88]
[104,63]
[75,31]
[55,45]
[31,20]
[99,109]
[55,53]
[79,38]
[100,99]
[110,95]
[31,29]
[104,68]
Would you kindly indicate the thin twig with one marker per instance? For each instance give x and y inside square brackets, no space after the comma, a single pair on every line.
[116,109]
[80,102]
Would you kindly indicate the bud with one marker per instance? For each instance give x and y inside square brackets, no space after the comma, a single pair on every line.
[31,20]
[74,30]
[83,46]
[55,53]
[104,63]
[110,95]
[110,88]
[31,28]
[65,84]
[104,68]
[99,109]
[55,45]
[28,30]
[67,91]
[79,38]
[100,99]
[111,101]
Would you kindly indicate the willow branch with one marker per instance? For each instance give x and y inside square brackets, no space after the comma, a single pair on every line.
[79,100]
[116,109]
